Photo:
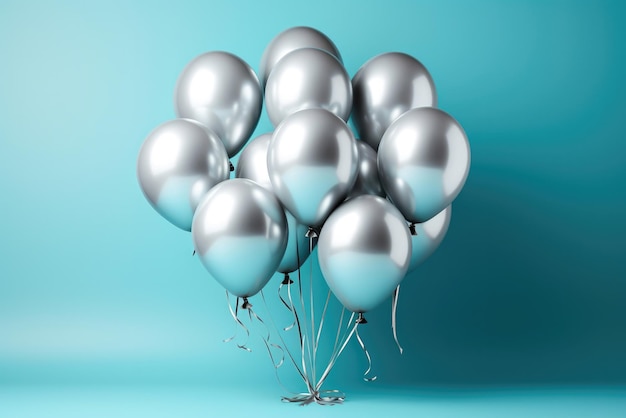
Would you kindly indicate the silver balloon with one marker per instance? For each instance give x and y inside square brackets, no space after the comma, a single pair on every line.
[367,180]
[384,88]
[290,40]
[312,161]
[423,162]
[253,162]
[308,78]
[364,251]
[240,234]
[429,237]
[253,165]
[220,90]
[178,163]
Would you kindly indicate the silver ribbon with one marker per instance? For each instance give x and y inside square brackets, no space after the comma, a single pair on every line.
[394,309]
[237,322]
[266,338]
[324,397]
[337,353]
[286,349]
[367,354]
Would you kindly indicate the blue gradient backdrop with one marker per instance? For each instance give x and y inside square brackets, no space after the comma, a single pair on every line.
[529,287]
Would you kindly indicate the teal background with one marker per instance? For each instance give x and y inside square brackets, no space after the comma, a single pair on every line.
[521,311]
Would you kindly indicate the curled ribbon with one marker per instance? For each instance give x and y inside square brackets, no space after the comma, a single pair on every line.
[367,354]
[237,322]
[394,309]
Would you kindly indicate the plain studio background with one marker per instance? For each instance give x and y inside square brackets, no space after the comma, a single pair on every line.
[527,290]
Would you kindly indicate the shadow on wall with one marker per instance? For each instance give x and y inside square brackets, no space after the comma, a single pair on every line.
[517,294]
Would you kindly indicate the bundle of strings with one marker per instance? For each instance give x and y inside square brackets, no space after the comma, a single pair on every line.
[308,338]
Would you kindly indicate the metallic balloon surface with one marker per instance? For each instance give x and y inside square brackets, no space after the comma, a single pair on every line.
[253,165]
[221,91]
[290,40]
[429,237]
[364,251]
[308,78]
[423,162]
[178,163]
[253,161]
[240,234]
[384,88]
[367,180]
[312,161]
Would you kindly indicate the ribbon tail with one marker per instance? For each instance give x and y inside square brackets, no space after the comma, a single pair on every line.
[238,322]
[286,348]
[268,344]
[367,355]
[313,342]
[289,305]
[305,347]
[394,309]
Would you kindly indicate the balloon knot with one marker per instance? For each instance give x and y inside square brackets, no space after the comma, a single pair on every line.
[232,167]
[245,304]
[361,319]
[287,280]
[311,233]
[412,229]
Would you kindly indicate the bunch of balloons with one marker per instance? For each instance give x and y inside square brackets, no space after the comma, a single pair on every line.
[376,206]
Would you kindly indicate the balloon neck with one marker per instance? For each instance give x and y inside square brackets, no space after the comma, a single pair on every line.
[232,167]
[311,233]
[361,319]
[286,279]
[412,229]
[245,304]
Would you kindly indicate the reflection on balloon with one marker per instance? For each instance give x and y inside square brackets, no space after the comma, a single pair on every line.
[367,180]
[429,236]
[253,162]
[308,78]
[364,251]
[221,91]
[385,87]
[423,162]
[289,40]
[178,163]
[240,233]
[312,161]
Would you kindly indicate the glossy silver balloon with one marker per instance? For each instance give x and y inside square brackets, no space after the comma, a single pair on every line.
[253,165]
[364,251]
[312,161]
[178,163]
[253,161]
[423,162]
[290,40]
[221,91]
[429,237]
[240,234]
[308,78]
[367,180]
[384,88]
